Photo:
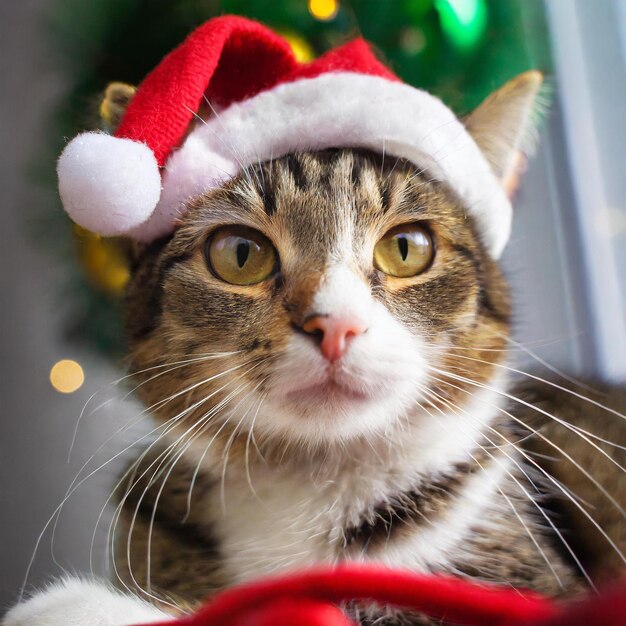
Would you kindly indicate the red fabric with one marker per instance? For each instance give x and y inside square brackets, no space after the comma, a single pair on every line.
[294,612]
[607,609]
[318,592]
[311,599]
[229,59]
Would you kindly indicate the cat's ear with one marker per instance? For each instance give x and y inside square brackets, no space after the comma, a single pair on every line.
[117,97]
[505,126]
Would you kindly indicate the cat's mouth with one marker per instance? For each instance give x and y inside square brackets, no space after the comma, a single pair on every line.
[328,391]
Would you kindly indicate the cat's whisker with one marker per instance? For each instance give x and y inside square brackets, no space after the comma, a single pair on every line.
[260,169]
[477,347]
[565,390]
[508,442]
[226,452]
[198,425]
[253,438]
[161,459]
[455,408]
[231,148]
[555,386]
[169,425]
[527,426]
[165,427]
[129,476]
[173,365]
[112,532]
[610,541]
[204,356]
[543,362]
[77,482]
[75,485]
[112,529]
[576,430]
[392,170]
[248,440]
[201,461]
[172,465]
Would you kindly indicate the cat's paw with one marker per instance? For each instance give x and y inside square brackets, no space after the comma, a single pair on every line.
[74,602]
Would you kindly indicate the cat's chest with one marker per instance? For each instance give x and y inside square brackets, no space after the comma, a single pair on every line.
[277,522]
[283,521]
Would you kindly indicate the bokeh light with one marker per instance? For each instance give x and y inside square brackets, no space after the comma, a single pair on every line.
[412,40]
[324,10]
[300,46]
[103,261]
[464,22]
[67,376]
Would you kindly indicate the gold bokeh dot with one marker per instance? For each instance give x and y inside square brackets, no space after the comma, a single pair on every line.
[67,376]
[300,46]
[324,10]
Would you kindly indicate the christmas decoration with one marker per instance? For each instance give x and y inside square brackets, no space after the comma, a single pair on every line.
[324,10]
[312,599]
[270,105]
[103,261]
[105,40]
[463,21]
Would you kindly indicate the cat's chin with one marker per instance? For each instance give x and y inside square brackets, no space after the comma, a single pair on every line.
[334,412]
[331,393]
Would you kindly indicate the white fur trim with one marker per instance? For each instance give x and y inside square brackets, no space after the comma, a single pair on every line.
[108,185]
[335,110]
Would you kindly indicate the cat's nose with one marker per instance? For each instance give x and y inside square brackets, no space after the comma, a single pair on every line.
[335,333]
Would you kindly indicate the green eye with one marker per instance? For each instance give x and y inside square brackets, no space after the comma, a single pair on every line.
[241,255]
[404,251]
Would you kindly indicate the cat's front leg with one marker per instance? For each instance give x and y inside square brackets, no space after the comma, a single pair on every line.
[75,602]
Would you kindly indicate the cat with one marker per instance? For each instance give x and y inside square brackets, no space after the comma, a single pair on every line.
[324,343]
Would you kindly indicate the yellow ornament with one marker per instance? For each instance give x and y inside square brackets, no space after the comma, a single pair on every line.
[103,261]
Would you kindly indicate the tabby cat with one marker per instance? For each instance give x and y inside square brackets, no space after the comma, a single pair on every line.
[324,343]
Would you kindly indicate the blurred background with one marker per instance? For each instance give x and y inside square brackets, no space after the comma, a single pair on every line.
[61,340]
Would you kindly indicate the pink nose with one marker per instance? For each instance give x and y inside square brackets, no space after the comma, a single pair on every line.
[335,331]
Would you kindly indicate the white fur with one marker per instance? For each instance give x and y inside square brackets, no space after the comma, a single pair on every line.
[74,602]
[108,185]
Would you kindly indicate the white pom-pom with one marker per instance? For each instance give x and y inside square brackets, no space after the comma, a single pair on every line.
[108,185]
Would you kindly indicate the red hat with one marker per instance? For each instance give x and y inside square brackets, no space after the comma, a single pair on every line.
[265,104]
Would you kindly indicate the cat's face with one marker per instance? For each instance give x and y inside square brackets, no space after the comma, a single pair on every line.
[326,344]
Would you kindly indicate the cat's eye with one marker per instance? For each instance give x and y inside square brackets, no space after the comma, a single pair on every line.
[404,251]
[240,255]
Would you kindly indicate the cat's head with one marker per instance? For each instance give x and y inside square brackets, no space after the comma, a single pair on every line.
[324,297]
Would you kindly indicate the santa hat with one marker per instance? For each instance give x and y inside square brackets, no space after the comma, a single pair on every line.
[265,104]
